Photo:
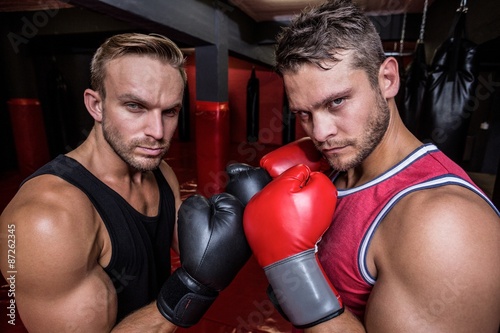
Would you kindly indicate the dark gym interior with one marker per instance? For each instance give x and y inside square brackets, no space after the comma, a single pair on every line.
[46,48]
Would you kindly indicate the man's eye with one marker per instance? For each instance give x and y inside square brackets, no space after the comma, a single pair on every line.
[171,112]
[301,114]
[132,106]
[338,101]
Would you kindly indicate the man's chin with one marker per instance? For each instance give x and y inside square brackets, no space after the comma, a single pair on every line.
[339,165]
[146,163]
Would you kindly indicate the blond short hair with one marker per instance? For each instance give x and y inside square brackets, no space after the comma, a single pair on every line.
[153,45]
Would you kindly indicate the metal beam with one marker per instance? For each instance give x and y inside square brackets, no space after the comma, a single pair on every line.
[190,23]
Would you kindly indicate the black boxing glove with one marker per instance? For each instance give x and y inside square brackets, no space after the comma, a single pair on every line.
[245,181]
[213,248]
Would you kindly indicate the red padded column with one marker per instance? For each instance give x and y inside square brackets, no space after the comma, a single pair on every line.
[30,138]
[212,145]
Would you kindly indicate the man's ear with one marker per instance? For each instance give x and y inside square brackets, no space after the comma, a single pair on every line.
[389,78]
[93,102]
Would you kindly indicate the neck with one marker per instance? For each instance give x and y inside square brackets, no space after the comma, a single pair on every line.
[97,156]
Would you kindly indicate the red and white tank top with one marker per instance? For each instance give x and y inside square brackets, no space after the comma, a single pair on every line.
[360,210]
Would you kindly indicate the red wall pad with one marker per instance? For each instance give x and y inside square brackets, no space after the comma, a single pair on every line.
[29,134]
[212,145]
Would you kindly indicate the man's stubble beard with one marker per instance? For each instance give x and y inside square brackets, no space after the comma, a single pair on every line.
[126,150]
[377,127]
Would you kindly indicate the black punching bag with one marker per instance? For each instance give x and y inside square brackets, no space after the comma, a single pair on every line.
[184,130]
[414,88]
[288,122]
[451,82]
[253,108]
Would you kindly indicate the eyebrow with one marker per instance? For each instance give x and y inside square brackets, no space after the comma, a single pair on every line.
[328,99]
[137,99]
[132,97]
[332,97]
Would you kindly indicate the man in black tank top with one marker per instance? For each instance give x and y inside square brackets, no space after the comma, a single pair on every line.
[93,228]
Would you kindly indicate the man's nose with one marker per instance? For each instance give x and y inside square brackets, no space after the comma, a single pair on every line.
[323,126]
[155,126]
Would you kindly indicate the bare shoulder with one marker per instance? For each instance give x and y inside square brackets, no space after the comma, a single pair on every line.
[172,180]
[446,215]
[49,204]
[57,248]
[438,264]
[169,175]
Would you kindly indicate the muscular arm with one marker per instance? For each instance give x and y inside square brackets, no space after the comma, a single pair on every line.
[145,319]
[437,258]
[439,270]
[60,285]
[346,322]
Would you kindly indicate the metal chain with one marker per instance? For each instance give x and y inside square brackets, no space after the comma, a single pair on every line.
[403,31]
[463,6]
[422,25]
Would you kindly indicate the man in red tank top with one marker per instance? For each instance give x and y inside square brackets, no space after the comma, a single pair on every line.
[413,246]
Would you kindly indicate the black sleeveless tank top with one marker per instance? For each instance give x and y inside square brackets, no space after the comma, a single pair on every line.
[140,260]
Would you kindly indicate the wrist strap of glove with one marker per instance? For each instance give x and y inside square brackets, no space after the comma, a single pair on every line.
[272,297]
[183,300]
[304,293]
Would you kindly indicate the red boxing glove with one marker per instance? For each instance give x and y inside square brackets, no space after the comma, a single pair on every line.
[301,151]
[282,224]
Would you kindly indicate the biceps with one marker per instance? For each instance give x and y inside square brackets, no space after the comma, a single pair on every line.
[446,304]
[89,306]
[392,307]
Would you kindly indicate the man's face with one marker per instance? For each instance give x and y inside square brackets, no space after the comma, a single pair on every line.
[141,108]
[339,110]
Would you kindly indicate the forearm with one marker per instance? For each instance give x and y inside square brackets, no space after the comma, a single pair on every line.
[146,319]
[346,322]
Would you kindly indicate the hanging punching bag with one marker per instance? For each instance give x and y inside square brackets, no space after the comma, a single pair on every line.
[450,85]
[253,108]
[288,122]
[58,108]
[29,134]
[183,125]
[414,88]
[415,81]
[399,98]
[212,146]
